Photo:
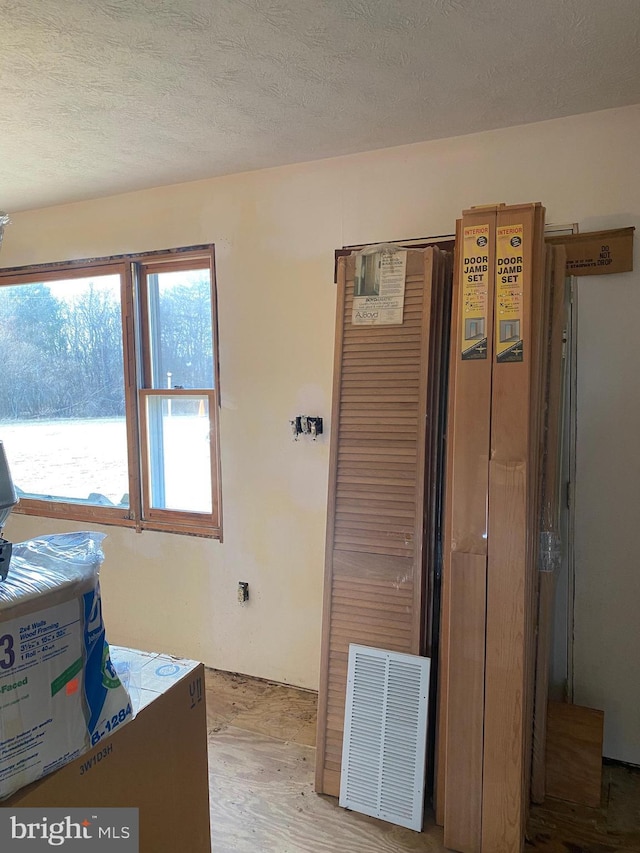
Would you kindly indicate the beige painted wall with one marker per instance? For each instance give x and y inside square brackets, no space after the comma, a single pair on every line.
[275,233]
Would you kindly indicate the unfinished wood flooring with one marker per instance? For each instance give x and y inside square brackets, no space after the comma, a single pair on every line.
[261,769]
[614,827]
[261,779]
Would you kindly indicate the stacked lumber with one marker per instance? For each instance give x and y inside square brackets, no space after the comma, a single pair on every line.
[502,429]
[464,581]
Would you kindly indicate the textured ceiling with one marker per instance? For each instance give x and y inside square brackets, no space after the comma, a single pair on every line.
[104,97]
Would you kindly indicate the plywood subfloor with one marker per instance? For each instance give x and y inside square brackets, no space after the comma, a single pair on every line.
[261,775]
[261,779]
[557,826]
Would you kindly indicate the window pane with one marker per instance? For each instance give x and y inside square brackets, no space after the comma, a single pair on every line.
[181,329]
[179,453]
[62,412]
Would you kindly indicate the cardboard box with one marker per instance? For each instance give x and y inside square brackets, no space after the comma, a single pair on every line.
[598,252]
[156,763]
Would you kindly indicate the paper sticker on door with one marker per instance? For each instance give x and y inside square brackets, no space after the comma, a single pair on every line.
[378,288]
[509,293]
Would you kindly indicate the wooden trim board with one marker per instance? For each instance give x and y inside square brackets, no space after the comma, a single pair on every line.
[512,548]
[574,753]
[459,780]
[465,702]
[549,504]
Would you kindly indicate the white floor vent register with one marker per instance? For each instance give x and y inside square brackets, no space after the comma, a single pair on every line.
[385,733]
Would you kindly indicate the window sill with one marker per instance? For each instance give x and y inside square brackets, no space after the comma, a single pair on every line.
[112,518]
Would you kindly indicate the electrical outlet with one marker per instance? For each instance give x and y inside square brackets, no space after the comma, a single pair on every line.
[243,592]
[306,425]
[314,427]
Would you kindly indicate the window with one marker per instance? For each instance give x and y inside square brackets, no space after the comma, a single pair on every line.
[109,404]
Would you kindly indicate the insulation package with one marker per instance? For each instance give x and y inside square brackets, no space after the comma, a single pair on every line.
[59,691]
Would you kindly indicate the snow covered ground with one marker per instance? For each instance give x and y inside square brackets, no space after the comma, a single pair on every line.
[68,458]
[74,458]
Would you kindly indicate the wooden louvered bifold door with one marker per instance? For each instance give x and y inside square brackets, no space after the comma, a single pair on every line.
[379,499]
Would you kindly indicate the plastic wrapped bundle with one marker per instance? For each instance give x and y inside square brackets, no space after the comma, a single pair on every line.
[59,692]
